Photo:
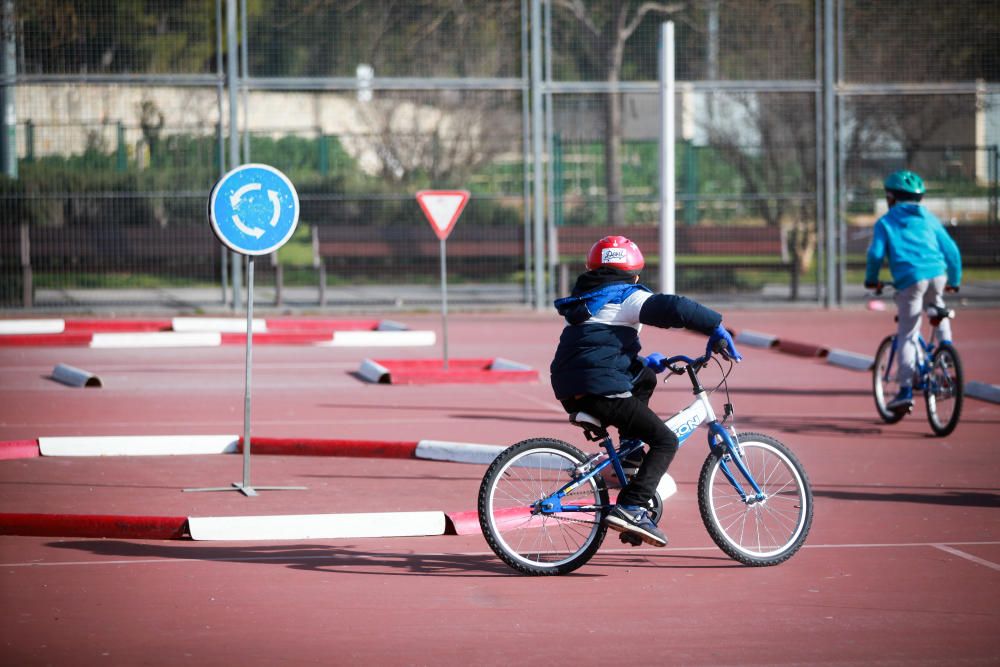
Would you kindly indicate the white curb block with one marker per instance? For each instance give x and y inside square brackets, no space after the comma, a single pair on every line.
[756,339]
[317,526]
[380,339]
[851,360]
[457,452]
[14,327]
[75,377]
[137,445]
[983,391]
[156,339]
[217,324]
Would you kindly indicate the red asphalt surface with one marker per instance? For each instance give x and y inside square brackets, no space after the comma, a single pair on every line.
[902,566]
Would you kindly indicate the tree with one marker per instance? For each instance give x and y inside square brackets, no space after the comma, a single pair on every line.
[610,24]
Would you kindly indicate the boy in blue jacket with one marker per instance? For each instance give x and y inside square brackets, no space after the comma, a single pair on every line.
[924,262]
[597,368]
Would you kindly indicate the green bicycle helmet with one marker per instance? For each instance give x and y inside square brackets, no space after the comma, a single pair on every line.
[905,183]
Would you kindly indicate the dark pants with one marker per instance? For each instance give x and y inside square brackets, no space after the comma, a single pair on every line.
[634,419]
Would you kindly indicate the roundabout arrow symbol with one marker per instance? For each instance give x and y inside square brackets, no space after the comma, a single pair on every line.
[255,232]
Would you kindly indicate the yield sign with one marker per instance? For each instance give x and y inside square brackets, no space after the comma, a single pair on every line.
[442,208]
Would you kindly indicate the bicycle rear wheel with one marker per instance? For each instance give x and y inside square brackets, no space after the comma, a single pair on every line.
[535,542]
[944,391]
[766,532]
[884,385]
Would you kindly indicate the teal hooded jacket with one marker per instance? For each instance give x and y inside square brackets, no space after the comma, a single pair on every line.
[917,245]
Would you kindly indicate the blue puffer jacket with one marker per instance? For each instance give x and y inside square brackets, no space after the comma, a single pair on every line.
[918,247]
[598,350]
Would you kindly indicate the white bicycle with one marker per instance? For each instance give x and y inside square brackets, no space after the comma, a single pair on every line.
[542,500]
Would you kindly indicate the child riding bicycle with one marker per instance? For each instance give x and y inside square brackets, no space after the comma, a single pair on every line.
[924,262]
[597,368]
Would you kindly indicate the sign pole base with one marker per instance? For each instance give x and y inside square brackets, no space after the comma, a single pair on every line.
[247,490]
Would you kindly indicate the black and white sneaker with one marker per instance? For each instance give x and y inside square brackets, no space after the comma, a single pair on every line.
[634,519]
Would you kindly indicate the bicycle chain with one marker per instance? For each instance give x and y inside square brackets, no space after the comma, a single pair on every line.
[569,520]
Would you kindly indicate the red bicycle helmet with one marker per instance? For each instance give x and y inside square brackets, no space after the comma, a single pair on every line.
[615,252]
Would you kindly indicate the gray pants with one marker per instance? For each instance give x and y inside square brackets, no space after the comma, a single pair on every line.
[911,304]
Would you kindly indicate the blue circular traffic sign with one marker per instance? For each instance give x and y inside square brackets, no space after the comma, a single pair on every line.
[254,209]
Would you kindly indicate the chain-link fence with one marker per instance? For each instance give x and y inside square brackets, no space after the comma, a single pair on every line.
[117,122]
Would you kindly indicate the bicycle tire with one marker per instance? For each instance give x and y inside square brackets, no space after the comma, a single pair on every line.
[540,544]
[944,390]
[777,526]
[884,388]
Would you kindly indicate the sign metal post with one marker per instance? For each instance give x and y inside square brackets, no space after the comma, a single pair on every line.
[254,210]
[442,208]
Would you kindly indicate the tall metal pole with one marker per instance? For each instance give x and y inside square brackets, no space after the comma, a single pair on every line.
[668,194]
[536,133]
[829,159]
[247,488]
[444,303]
[224,253]
[232,80]
[526,150]
[8,131]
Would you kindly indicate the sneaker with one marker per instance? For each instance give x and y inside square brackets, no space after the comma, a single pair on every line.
[634,519]
[903,400]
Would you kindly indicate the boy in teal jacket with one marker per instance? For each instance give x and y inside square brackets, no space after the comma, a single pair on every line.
[924,262]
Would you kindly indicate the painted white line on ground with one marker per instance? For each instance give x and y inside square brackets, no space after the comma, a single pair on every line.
[317,526]
[137,445]
[968,557]
[457,452]
[983,391]
[850,360]
[379,339]
[156,339]
[15,327]
[217,324]
[375,557]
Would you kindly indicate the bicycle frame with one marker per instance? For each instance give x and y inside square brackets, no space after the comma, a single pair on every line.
[925,351]
[683,424]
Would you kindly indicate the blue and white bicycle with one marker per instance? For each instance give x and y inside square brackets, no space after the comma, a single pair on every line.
[542,500]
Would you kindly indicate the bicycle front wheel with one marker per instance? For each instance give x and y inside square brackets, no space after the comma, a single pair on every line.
[531,541]
[757,532]
[884,385]
[944,390]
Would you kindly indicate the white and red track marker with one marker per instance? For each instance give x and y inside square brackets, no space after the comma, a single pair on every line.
[442,208]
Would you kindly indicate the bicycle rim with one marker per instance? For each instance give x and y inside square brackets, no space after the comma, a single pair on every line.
[766,532]
[540,543]
[944,390]
[884,385]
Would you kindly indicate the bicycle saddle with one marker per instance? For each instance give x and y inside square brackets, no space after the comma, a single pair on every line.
[591,425]
[937,314]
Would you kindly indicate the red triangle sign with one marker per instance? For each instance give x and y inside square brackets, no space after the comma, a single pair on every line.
[442,208]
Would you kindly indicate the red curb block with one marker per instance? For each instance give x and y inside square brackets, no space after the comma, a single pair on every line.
[19,449]
[321,325]
[72,338]
[108,326]
[800,349]
[459,371]
[95,525]
[322,447]
[280,338]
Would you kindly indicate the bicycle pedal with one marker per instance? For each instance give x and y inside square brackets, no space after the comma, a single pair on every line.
[630,538]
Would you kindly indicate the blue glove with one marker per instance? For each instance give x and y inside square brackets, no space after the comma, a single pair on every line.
[656,361]
[720,333]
